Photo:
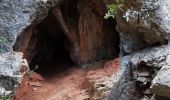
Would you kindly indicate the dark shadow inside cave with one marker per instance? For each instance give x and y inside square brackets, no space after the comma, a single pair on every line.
[110,27]
[52,56]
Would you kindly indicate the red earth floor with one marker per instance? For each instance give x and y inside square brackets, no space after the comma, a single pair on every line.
[73,84]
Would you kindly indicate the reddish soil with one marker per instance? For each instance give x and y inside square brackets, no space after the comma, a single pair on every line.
[73,84]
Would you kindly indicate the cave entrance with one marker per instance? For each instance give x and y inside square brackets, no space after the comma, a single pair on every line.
[46,48]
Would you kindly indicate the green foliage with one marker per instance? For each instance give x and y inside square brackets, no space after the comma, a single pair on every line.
[113,9]
[5,98]
[2,40]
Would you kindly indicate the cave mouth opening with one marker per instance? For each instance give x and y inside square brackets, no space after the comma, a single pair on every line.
[47,47]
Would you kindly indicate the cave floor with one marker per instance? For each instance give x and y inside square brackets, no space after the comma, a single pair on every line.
[72,84]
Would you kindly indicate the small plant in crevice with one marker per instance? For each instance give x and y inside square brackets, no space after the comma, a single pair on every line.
[113,9]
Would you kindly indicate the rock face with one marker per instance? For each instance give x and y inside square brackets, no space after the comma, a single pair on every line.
[143,23]
[13,67]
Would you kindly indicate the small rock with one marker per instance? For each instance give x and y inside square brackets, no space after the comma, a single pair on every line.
[35,89]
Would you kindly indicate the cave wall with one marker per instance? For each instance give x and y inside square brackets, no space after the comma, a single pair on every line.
[94,32]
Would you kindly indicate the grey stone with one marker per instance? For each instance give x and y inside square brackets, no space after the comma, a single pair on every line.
[11,73]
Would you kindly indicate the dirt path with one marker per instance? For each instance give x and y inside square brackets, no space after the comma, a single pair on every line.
[74,84]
